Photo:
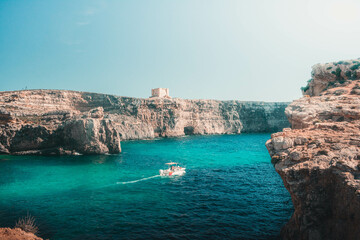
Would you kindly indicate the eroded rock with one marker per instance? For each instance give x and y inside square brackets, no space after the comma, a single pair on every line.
[321,168]
[90,136]
[16,234]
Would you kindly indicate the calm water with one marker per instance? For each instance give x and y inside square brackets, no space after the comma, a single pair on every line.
[230,191]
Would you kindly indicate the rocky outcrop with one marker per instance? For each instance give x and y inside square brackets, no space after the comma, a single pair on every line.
[16,234]
[330,75]
[319,158]
[90,136]
[69,122]
[70,136]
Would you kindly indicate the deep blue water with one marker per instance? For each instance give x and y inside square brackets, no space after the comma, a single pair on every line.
[230,191]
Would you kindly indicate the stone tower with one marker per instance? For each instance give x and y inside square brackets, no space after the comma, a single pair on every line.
[160,92]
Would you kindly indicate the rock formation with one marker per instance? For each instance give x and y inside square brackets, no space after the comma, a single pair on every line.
[319,158]
[16,234]
[68,122]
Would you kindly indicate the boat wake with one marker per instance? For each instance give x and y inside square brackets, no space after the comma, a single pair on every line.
[139,180]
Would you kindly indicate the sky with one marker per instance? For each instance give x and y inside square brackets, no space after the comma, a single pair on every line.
[258,50]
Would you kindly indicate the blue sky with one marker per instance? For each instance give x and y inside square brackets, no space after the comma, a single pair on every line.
[224,49]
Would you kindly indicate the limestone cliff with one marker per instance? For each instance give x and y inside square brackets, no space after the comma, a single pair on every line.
[318,159]
[69,122]
[16,234]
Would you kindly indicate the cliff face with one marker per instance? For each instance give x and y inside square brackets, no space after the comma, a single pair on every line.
[318,159]
[69,122]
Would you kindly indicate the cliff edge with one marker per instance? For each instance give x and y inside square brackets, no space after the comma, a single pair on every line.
[16,234]
[69,122]
[318,159]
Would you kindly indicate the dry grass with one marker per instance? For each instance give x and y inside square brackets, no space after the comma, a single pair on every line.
[27,224]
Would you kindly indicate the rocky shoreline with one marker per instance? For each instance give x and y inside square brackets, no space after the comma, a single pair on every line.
[58,122]
[16,234]
[318,159]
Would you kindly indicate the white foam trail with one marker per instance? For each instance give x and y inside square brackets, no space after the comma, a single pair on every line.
[139,180]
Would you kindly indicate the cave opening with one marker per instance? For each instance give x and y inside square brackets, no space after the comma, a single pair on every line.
[189,130]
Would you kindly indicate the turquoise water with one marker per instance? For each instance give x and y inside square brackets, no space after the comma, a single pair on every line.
[230,191]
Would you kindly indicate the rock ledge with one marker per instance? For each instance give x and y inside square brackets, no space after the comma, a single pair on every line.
[319,158]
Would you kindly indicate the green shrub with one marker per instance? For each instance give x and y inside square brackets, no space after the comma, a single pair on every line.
[348,74]
[355,67]
[330,84]
[338,77]
[353,76]
[304,89]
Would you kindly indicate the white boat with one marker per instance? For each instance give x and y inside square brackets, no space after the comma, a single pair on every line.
[173,170]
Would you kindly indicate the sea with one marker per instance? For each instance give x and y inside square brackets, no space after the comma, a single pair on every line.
[230,191]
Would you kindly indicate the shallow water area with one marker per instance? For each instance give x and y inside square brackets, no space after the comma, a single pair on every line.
[230,191]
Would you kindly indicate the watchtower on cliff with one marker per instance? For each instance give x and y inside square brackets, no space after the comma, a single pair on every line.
[160,92]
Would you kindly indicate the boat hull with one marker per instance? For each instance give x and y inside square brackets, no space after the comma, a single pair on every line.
[169,173]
